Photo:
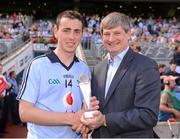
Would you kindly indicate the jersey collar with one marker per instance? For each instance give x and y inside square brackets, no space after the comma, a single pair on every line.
[54,59]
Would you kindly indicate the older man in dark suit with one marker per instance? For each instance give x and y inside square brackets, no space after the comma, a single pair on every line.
[127,84]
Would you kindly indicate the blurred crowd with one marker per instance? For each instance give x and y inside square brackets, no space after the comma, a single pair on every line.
[13,25]
[13,31]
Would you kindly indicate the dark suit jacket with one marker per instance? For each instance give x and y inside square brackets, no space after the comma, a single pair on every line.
[132,102]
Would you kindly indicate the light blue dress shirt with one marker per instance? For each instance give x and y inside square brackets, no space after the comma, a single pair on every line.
[113,64]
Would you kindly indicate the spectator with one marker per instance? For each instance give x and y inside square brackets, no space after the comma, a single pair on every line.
[172,70]
[137,49]
[162,72]
[4,101]
[13,103]
[162,69]
[176,58]
[167,109]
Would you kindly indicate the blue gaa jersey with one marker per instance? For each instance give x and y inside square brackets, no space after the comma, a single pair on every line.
[52,86]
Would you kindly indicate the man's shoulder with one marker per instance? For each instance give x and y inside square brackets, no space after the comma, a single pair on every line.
[144,60]
[142,57]
[39,60]
[37,63]
[82,64]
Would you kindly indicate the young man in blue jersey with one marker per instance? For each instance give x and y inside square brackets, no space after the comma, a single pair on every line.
[50,98]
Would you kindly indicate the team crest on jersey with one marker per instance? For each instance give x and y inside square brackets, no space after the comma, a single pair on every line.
[68,101]
[53,81]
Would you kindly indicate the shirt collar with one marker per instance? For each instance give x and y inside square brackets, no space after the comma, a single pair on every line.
[123,53]
[118,57]
[53,57]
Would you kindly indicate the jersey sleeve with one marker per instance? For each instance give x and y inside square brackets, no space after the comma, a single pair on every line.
[30,86]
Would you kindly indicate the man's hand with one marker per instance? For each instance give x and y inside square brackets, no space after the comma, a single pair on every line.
[176,113]
[76,118]
[77,125]
[94,103]
[80,129]
[95,122]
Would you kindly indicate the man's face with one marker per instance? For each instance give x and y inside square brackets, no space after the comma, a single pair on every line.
[115,40]
[69,34]
[162,69]
[173,67]
[13,75]
[172,84]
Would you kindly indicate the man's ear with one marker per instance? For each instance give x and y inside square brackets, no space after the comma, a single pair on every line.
[129,35]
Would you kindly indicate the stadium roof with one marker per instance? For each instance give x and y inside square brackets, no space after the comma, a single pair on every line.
[134,0]
[45,8]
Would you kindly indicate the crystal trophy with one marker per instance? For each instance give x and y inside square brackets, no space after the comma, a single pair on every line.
[85,86]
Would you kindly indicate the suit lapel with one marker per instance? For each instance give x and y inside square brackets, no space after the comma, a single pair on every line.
[102,81]
[119,74]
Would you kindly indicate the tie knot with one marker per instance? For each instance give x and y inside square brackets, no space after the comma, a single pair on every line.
[110,61]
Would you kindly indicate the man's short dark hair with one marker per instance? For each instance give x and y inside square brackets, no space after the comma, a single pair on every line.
[162,65]
[71,15]
[172,62]
[11,73]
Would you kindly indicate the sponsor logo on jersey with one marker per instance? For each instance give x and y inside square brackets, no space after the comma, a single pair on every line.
[68,101]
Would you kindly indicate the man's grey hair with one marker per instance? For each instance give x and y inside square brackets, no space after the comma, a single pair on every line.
[115,19]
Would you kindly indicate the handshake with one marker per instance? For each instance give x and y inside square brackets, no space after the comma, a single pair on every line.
[83,122]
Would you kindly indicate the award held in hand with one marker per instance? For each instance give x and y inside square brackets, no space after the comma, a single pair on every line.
[85,86]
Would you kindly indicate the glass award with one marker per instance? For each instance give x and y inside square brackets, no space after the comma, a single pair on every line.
[85,86]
